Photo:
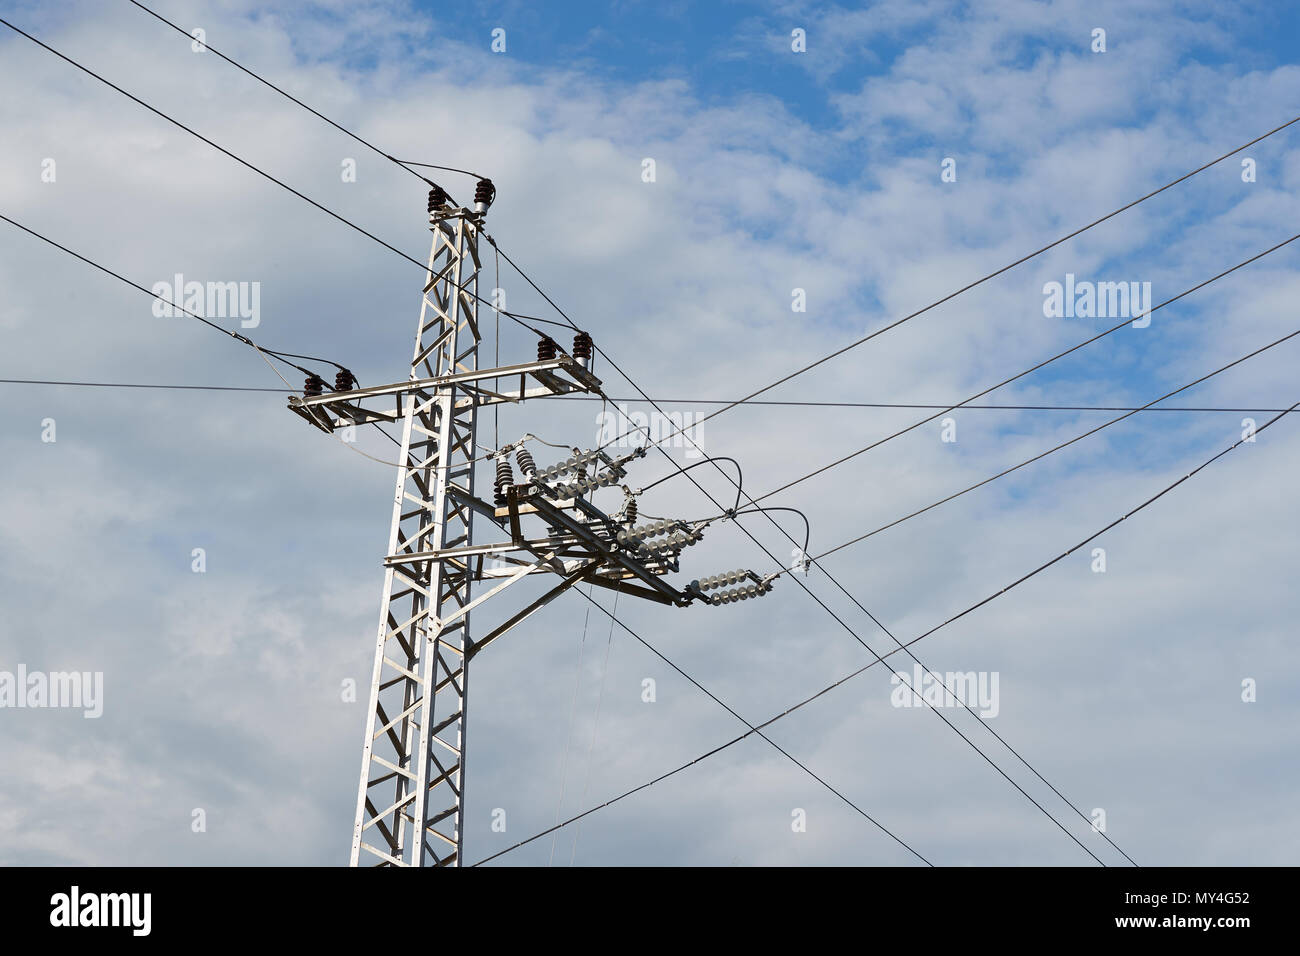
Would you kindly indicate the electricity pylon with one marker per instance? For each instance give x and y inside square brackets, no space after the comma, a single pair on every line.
[411,796]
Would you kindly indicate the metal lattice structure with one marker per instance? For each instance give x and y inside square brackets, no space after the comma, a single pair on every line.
[411,795]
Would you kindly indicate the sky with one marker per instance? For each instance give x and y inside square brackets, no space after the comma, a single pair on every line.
[904,151]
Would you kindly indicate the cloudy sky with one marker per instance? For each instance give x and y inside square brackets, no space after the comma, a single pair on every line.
[776,169]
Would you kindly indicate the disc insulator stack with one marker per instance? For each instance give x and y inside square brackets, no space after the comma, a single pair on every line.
[582,348]
[505,478]
[437,199]
[526,463]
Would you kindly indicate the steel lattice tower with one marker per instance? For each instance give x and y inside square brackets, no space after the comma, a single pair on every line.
[411,795]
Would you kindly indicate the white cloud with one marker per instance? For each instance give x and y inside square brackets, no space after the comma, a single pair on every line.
[223,687]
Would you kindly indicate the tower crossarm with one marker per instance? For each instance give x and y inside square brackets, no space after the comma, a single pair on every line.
[562,375]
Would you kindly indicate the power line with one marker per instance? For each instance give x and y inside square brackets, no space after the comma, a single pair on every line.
[992,275]
[201,388]
[936,303]
[245,163]
[806,589]
[403,164]
[853,598]
[238,337]
[1057,448]
[243,339]
[946,407]
[266,354]
[682,401]
[752,729]
[827,689]
[406,163]
[879,624]
[1019,375]
[1041,455]
[548,299]
[314,203]
[323,209]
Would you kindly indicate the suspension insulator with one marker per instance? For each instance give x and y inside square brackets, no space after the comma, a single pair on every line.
[721,580]
[673,542]
[732,595]
[505,478]
[582,346]
[484,193]
[569,464]
[437,198]
[629,511]
[526,463]
[344,381]
[546,349]
[315,386]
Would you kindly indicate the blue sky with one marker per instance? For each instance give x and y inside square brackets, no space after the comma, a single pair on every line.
[776,171]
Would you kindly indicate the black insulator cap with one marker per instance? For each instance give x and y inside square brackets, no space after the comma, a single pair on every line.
[546,349]
[485,192]
[315,386]
[582,345]
[437,198]
[344,381]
